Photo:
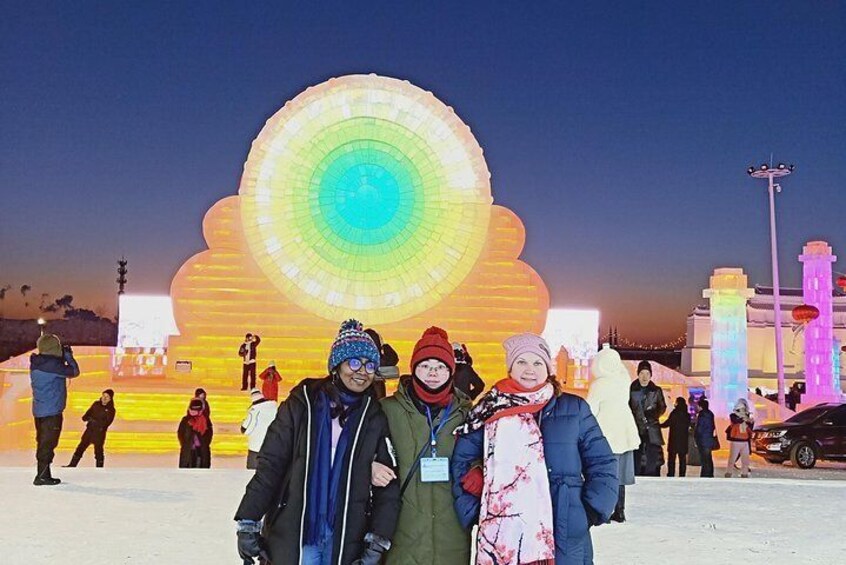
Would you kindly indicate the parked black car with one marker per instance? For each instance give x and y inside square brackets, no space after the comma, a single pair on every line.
[816,433]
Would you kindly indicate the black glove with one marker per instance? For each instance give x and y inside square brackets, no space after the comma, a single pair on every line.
[250,542]
[376,546]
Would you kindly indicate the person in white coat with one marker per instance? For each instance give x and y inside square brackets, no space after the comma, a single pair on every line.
[608,398]
[261,414]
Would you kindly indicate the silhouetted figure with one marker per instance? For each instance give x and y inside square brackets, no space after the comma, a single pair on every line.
[703,433]
[679,423]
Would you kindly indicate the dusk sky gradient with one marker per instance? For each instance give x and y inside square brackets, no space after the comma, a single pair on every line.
[619,132]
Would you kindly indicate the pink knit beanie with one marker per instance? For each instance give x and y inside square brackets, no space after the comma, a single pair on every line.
[516,345]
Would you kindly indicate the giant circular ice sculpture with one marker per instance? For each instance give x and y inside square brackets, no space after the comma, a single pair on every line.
[366,195]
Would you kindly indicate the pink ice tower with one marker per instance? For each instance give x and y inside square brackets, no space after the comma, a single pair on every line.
[728,295]
[817,289]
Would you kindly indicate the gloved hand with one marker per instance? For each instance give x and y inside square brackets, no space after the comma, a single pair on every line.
[376,546]
[250,542]
[594,518]
[473,481]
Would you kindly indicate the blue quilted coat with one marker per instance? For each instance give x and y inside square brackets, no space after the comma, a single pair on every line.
[582,476]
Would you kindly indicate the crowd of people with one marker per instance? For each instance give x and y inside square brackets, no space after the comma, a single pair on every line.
[345,474]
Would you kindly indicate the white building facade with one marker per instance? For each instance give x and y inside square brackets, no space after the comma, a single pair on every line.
[696,355]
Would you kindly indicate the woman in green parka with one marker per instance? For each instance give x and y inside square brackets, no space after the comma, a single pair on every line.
[422,415]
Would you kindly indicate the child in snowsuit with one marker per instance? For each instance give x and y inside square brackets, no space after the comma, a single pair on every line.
[739,435]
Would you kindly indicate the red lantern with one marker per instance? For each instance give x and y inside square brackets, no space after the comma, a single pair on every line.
[841,282]
[806,313]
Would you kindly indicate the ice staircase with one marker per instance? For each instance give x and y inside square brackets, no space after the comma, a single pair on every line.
[148,408]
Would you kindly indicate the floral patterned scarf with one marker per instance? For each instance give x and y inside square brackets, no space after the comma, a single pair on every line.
[515,520]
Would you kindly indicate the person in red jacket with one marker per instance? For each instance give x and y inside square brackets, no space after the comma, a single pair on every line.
[739,435]
[270,385]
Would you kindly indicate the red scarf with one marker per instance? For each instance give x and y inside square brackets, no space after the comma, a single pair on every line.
[511,386]
[198,423]
[440,398]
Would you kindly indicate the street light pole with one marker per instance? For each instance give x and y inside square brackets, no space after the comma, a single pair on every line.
[765,171]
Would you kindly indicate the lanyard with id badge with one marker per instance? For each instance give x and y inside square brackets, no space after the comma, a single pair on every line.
[435,469]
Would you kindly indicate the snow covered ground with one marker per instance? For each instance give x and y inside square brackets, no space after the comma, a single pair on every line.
[170,516]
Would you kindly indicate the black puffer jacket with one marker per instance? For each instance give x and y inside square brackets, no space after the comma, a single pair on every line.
[99,416]
[277,491]
[647,411]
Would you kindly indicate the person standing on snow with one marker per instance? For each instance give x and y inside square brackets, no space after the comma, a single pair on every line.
[703,434]
[422,415]
[679,423]
[261,413]
[195,434]
[647,403]
[270,378]
[739,435]
[310,500]
[98,418]
[608,399]
[467,380]
[544,458]
[248,352]
[49,371]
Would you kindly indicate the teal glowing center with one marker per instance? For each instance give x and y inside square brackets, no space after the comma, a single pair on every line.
[366,193]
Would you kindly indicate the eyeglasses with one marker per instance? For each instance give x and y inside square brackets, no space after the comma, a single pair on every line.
[426,368]
[357,364]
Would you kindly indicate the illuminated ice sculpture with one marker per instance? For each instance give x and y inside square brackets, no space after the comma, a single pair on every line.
[817,287]
[145,321]
[728,295]
[363,196]
[577,331]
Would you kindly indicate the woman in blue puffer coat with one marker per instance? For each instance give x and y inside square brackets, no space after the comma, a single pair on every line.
[532,467]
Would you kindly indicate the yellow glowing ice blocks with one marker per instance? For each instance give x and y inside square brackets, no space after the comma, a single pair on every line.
[363,196]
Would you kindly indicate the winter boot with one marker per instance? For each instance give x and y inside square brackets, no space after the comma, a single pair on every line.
[74,461]
[619,514]
[99,462]
[44,478]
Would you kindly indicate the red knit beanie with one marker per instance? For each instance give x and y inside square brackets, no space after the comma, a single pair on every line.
[434,344]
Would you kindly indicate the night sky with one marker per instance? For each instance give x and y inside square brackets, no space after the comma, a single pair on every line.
[619,132]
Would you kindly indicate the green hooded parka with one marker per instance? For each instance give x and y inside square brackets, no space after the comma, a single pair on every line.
[428,531]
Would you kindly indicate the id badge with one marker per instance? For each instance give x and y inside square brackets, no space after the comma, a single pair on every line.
[434,469]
